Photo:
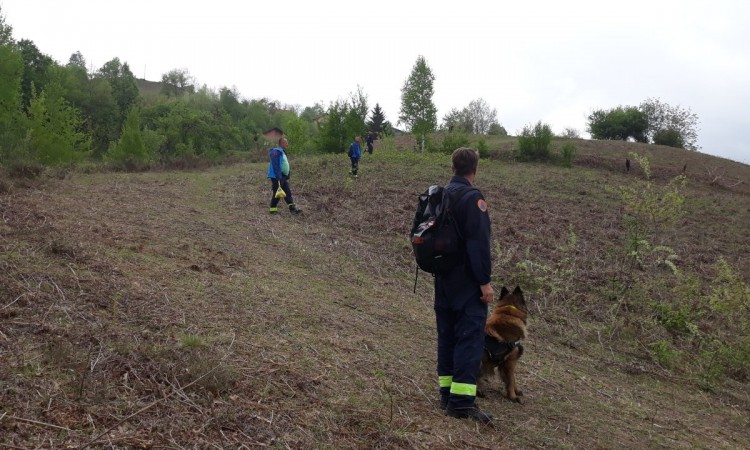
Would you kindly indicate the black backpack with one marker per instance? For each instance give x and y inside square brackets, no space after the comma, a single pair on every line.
[435,237]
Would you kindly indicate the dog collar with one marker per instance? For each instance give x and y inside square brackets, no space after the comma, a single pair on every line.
[509,306]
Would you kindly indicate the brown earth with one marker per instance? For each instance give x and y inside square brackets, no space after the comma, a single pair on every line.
[169,309]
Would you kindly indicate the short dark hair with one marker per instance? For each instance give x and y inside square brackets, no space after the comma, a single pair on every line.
[465,161]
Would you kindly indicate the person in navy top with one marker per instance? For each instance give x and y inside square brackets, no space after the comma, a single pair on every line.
[355,153]
[462,295]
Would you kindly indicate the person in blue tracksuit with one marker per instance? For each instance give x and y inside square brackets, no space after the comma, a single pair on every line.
[355,153]
[278,173]
[462,295]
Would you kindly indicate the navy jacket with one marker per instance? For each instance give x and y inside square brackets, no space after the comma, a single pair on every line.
[460,287]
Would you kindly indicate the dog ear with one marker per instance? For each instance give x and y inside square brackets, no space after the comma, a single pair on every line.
[518,290]
[503,292]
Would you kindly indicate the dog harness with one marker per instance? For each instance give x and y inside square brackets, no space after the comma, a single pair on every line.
[498,350]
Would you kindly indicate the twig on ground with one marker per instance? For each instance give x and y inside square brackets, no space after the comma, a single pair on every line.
[156,402]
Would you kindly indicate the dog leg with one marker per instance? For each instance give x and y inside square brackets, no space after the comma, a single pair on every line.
[485,372]
[509,377]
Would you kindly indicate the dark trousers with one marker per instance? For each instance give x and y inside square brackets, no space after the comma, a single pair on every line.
[355,165]
[285,187]
[369,148]
[460,346]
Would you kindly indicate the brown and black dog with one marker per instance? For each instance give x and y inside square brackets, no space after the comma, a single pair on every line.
[505,329]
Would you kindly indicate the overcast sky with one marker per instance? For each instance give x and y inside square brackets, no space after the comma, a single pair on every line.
[553,61]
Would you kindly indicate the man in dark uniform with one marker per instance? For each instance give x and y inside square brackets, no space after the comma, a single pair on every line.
[462,295]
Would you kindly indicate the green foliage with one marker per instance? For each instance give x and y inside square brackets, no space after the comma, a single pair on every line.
[650,208]
[11,130]
[620,123]
[483,148]
[664,353]
[376,124]
[534,142]
[36,66]
[344,121]
[669,137]
[130,152]
[568,154]
[670,125]
[452,141]
[297,132]
[418,112]
[54,135]
[497,130]
[6,31]
[177,82]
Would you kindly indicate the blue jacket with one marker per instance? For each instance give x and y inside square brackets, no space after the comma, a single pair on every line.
[279,164]
[355,150]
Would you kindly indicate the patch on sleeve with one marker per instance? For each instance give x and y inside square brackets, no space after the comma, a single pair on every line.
[482,205]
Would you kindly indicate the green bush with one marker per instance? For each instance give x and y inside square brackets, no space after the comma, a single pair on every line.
[669,137]
[534,142]
[568,153]
[483,148]
[454,140]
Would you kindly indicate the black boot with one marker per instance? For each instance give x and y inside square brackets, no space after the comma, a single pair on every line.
[294,210]
[471,412]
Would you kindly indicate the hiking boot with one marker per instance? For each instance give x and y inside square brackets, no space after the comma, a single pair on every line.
[294,210]
[443,403]
[472,412]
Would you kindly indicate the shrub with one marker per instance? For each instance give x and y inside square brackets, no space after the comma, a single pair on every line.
[534,142]
[454,140]
[669,137]
[568,153]
[483,148]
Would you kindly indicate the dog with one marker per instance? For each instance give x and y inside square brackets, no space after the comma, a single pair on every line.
[504,330]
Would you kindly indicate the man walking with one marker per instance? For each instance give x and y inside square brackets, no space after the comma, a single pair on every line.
[462,295]
[278,172]
[355,153]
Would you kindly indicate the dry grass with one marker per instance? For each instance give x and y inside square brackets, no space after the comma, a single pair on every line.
[169,310]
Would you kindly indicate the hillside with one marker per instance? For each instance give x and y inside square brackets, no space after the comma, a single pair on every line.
[168,309]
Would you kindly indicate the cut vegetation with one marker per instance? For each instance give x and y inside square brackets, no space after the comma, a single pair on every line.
[169,310]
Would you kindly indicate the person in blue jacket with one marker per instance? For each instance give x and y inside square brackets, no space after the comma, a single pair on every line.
[278,172]
[355,153]
[462,295]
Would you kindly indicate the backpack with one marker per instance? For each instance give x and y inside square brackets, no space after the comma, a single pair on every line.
[435,238]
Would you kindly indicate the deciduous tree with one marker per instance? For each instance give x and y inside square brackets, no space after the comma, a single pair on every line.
[670,125]
[418,112]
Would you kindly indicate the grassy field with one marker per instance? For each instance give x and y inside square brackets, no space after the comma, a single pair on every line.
[169,310]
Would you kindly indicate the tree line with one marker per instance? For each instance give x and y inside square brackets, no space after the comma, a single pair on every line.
[53,114]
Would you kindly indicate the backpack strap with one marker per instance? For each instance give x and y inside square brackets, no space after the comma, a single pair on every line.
[462,193]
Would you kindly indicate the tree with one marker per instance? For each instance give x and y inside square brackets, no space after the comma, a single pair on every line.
[35,70]
[377,120]
[418,112]
[534,142]
[481,116]
[11,70]
[670,125]
[55,135]
[458,120]
[620,123]
[497,130]
[124,87]
[6,31]
[177,82]
[130,151]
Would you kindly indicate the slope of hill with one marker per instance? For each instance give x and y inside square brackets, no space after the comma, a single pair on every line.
[168,309]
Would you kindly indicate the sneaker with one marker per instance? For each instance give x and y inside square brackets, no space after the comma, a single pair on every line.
[472,412]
